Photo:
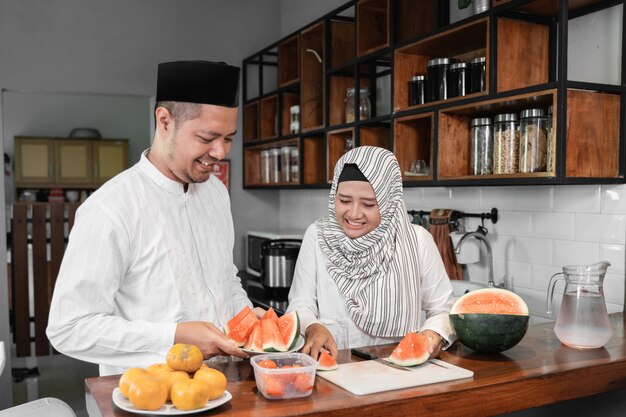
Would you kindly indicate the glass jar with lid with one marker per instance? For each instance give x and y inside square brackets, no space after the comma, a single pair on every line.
[551,141]
[534,144]
[458,80]
[437,76]
[478,74]
[364,104]
[294,164]
[505,143]
[274,165]
[481,153]
[265,166]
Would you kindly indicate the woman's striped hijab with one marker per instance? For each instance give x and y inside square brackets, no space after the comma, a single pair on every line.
[377,273]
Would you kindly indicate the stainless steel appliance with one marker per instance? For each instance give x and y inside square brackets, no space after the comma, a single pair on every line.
[254,243]
[279,262]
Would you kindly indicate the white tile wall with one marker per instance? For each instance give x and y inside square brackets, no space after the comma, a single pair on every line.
[539,230]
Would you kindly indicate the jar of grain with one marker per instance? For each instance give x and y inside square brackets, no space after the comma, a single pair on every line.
[533,151]
[506,144]
[482,146]
[551,141]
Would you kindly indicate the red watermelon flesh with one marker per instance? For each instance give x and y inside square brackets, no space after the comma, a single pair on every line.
[239,327]
[255,340]
[326,362]
[412,350]
[270,314]
[289,326]
[272,339]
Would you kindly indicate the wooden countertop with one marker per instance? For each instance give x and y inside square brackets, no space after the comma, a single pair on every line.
[536,372]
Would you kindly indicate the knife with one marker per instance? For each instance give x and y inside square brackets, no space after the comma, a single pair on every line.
[372,356]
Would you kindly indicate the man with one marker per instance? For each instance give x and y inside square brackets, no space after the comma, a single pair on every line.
[149,261]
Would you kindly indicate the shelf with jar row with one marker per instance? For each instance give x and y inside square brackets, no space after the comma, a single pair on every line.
[394,74]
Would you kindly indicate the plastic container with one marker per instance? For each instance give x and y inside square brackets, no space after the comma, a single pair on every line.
[364,105]
[478,74]
[506,144]
[458,80]
[534,141]
[417,90]
[283,383]
[481,153]
[436,85]
[265,166]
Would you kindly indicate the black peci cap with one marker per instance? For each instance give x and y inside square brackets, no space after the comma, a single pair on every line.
[198,82]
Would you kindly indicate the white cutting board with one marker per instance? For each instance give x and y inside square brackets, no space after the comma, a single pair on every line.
[368,377]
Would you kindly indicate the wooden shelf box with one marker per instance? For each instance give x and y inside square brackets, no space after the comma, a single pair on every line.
[314,160]
[289,61]
[375,136]
[338,142]
[414,18]
[288,100]
[414,140]
[463,43]
[312,78]
[251,122]
[269,117]
[343,47]
[372,26]
[253,166]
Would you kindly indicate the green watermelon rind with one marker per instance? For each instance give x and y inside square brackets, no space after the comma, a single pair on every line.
[489,333]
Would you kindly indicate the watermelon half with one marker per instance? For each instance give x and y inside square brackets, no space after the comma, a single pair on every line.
[239,327]
[326,362]
[490,320]
[412,350]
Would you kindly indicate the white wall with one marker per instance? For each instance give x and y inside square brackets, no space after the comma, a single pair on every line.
[89,48]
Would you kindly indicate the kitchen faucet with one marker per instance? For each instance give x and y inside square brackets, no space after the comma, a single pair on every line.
[480,234]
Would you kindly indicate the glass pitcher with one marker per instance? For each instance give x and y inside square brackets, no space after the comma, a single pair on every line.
[583,321]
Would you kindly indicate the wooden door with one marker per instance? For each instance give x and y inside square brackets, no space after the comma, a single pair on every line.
[34,160]
[73,161]
[110,157]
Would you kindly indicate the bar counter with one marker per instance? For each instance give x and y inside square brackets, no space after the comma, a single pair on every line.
[536,372]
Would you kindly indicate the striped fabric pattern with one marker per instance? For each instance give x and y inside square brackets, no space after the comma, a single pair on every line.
[377,273]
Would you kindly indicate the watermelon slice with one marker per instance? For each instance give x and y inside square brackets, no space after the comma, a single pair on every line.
[272,339]
[289,326]
[239,327]
[326,362]
[255,340]
[270,314]
[412,350]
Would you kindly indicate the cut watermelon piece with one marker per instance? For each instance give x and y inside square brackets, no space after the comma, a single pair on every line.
[289,326]
[326,362]
[270,314]
[412,350]
[255,340]
[239,327]
[272,340]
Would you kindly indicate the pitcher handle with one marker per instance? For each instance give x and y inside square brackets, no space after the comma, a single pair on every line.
[551,291]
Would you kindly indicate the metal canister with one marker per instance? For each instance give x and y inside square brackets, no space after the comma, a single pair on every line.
[417,90]
[436,84]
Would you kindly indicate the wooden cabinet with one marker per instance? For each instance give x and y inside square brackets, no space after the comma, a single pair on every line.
[42,162]
[381,44]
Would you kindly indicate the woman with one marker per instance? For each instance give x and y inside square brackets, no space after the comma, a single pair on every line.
[364,272]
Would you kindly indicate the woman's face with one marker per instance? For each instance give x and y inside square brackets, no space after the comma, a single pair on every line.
[356,208]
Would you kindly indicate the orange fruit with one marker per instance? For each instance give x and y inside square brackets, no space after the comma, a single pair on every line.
[268,363]
[203,366]
[184,357]
[214,379]
[147,392]
[169,378]
[189,394]
[128,377]
[157,368]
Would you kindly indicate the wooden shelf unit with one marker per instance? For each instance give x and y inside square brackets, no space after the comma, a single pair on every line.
[524,69]
[289,61]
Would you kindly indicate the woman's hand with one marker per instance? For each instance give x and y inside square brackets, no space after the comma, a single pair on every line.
[208,338]
[435,342]
[318,337]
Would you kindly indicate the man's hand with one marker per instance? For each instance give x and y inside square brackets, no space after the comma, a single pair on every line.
[208,338]
[318,337]
[435,341]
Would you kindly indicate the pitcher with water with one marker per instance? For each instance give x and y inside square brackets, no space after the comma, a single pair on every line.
[583,321]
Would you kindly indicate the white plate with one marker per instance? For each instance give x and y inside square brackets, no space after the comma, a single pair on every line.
[296,348]
[168,409]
